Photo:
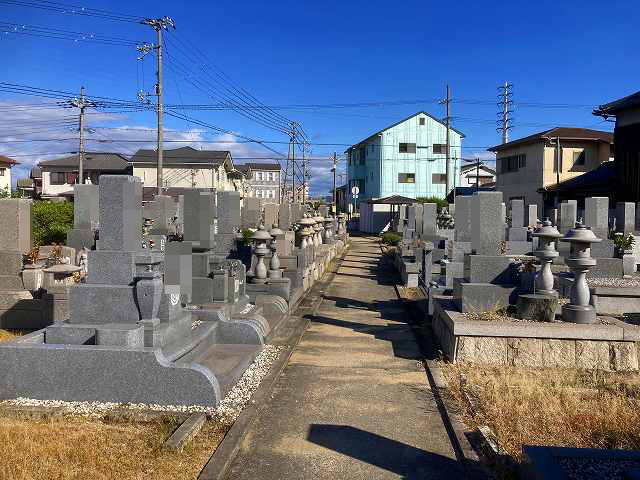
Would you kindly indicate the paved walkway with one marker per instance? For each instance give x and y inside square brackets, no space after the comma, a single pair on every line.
[353,402]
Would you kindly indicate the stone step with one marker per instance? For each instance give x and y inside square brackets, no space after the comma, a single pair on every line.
[226,362]
[202,334]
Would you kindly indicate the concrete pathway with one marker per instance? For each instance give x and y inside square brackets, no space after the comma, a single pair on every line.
[354,401]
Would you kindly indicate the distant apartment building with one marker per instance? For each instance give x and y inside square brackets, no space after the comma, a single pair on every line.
[262,180]
[526,166]
[5,172]
[407,158]
[60,174]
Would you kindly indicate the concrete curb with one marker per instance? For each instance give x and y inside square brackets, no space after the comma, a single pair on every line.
[185,432]
[453,423]
[222,458]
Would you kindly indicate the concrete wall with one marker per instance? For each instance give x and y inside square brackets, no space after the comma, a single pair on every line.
[374,218]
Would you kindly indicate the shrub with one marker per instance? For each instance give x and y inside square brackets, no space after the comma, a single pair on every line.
[246,236]
[51,222]
[390,238]
[441,202]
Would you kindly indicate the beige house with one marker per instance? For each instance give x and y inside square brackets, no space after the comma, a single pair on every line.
[5,172]
[186,167]
[525,167]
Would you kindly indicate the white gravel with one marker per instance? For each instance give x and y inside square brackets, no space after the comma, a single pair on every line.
[227,411]
[614,282]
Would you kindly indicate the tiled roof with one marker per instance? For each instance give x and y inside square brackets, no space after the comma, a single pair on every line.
[8,160]
[564,133]
[181,156]
[92,161]
[612,108]
[262,166]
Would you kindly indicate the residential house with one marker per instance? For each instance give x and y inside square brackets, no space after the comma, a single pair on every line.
[626,135]
[263,180]
[185,167]
[527,166]
[342,199]
[407,158]
[473,174]
[5,172]
[60,174]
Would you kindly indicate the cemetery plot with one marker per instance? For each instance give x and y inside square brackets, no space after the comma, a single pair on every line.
[560,407]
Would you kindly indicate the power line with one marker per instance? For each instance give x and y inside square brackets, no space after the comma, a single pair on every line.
[62,8]
[56,33]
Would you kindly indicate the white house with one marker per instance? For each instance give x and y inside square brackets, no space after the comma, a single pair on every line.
[60,174]
[5,172]
[186,167]
[471,174]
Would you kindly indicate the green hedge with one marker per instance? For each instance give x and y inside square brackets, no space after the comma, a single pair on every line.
[390,238]
[441,202]
[51,222]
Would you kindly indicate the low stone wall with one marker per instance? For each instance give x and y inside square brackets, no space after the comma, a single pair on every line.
[535,344]
[615,300]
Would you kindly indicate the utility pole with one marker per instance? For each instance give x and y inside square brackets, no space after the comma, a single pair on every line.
[504,102]
[335,167]
[158,24]
[447,103]
[477,174]
[558,167]
[81,103]
[293,161]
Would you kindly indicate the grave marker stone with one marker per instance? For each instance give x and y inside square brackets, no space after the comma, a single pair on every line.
[487,224]
[625,217]
[462,219]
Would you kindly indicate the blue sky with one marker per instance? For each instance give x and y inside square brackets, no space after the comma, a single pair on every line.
[574,53]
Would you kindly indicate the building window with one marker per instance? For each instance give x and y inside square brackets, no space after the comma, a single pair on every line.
[57,178]
[259,176]
[579,158]
[511,163]
[2,172]
[406,178]
[407,148]
[422,120]
[362,153]
[439,178]
[440,148]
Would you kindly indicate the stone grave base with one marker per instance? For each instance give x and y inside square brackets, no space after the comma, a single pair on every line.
[534,344]
[247,326]
[19,310]
[606,300]
[481,297]
[199,373]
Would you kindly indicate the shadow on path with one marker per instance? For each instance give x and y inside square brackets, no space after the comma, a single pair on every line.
[391,455]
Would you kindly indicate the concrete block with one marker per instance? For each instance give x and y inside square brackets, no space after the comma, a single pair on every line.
[70,335]
[557,353]
[489,269]
[623,356]
[592,355]
[120,335]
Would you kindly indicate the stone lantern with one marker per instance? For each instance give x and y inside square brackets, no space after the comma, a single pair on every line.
[578,310]
[546,252]
[59,276]
[260,240]
[318,228]
[328,234]
[274,264]
[304,232]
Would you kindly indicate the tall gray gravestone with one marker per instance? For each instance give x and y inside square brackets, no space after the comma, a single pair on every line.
[419,219]
[429,222]
[462,219]
[284,216]
[271,214]
[86,211]
[532,216]
[625,217]
[16,239]
[228,221]
[251,215]
[568,216]
[487,224]
[164,214]
[517,231]
[596,215]
[198,216]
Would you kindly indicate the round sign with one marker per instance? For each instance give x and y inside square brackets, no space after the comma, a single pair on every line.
[355,190]
[174,299]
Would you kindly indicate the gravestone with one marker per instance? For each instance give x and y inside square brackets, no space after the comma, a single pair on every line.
[251,216]
[86,210]
[284,216]
[164,215]
[429,222]
[625,217]
[596,215]
[198,210]
[271,213]
[419,219]
[462,219]
[517,231]
[532,216]
[568,216]
[229,221]
[487,223]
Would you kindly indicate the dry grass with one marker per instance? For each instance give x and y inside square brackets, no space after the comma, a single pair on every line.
[77,448]
[8,335]
[549,407]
